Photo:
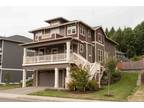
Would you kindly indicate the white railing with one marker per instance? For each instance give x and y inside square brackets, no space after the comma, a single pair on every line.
[45,58]
[93,68]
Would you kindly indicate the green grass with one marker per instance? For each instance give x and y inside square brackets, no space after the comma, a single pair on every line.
[120,90]
[9,86]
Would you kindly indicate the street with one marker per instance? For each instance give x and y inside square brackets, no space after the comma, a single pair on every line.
[20,100]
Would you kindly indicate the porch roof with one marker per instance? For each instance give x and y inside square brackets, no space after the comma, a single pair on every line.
[51,41]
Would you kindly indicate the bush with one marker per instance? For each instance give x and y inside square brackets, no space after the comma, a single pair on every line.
[72,86]
[7,78]
[137,58]
[92,85]
[80,77]
[116,77]
[29,83]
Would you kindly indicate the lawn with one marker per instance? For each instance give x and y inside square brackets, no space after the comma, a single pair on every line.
[9,86]
[120,90]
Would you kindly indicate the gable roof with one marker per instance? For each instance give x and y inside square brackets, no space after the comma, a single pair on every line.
[16,39]
[110,40]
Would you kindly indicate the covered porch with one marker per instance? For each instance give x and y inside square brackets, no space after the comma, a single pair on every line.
[49,53]
[54,76]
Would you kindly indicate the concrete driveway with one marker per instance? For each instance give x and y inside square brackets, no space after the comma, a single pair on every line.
[26,90]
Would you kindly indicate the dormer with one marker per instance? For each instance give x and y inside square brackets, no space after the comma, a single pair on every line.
[56,21]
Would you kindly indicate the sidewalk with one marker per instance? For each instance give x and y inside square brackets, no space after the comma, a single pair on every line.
[42,98]
[138,96]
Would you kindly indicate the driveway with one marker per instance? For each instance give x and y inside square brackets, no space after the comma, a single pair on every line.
[26,90]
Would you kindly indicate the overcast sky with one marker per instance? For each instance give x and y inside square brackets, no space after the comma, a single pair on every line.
[20,20]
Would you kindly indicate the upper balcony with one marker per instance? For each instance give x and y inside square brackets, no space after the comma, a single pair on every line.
[46,59]
[49,54]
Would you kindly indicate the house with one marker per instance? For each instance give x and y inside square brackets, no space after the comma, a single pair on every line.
[11,57]
[64,43]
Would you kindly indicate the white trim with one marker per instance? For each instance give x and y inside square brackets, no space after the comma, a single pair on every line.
[24,78]
[87,54]
[46,63]
[36,75]
[11,69]
[56,84]
[2,60]
[98,43]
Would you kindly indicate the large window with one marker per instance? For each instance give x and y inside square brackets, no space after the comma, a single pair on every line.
[71,29]
[100,55]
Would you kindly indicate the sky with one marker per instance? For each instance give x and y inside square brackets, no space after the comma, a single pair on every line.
[20,20]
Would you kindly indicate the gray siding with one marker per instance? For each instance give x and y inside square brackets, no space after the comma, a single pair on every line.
[12,55]
[15,76]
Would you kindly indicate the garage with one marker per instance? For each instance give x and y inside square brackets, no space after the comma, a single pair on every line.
[46,78]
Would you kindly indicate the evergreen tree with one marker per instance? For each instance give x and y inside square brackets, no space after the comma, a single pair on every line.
[111,32]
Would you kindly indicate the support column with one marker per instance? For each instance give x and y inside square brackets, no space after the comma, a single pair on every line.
[24,78]
[1,76]
[56,78]
[36,76]
[67,76]
[68,50]
[24,55]
[139,79]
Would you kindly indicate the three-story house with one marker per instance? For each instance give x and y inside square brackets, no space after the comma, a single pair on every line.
[63,43]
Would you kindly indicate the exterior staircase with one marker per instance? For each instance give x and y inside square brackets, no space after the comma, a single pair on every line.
[95,69]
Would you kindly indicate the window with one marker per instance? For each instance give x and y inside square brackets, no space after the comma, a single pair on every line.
[81,48]
[71,29]
[89,33]
[46,34]
[100,37]
[38,35]
[100,55]
[82,30]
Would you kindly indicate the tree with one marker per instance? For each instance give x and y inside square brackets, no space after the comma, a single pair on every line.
[139,33]
[128,42]
[80,78]
[111,32]
[107,32]
[110,69]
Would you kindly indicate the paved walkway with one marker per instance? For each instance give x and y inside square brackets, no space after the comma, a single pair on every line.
[26,90]
[138,96]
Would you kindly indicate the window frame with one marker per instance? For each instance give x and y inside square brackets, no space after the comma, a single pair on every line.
[100,37]
[71,28]
[81,48]
[100,55]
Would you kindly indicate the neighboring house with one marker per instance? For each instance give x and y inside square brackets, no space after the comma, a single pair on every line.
[121,56]
[56,47]
[11,57]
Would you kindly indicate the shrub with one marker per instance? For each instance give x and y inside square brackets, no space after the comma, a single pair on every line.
[7,78]
[29,83]
[116,77]
[72,86]
[80,77]
[92,85]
